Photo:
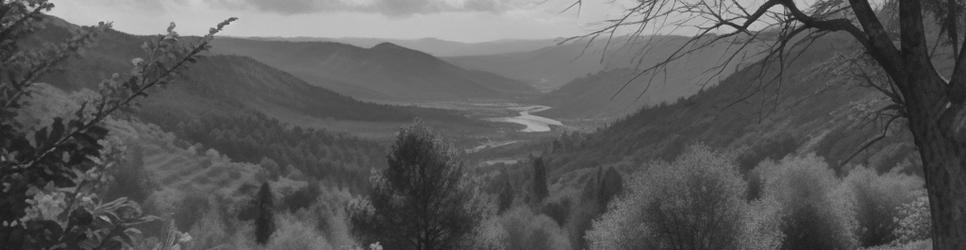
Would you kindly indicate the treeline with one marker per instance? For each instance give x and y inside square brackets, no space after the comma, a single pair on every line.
[701,201]
[282,148]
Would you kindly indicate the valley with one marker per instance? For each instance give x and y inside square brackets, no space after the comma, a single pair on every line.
[264,140]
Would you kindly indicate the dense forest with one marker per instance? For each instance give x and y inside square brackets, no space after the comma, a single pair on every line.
[281,149]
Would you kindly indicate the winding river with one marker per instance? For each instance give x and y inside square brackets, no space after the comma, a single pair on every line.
[533,123]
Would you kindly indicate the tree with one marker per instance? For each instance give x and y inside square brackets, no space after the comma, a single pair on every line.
[696,202]
[264,216]
[50,172]
[421,201]
[604,187]
[539,184]
[876,200]
[505,197]
[812,217]
[892,35]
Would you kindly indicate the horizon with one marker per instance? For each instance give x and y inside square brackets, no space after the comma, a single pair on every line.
[465,21]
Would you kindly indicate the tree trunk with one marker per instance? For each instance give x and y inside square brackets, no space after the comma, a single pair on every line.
[933,122]
[943,164]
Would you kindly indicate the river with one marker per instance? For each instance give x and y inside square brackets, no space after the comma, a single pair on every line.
[533,123]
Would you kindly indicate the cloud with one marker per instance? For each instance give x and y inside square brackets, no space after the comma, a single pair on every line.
[394,8]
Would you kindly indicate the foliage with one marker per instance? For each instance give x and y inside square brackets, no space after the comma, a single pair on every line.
[264,214]
[253,137]
[303,198]
[189,210]
[696,202]
[876,200]
[598,191]
[505,198]
[51,173]
[421,201]
[538,189]
[526,230]
[913,221]
[129,179]
[812,215]
[294,234]
[581,220]
[774,148]
[603,188]
[558,209]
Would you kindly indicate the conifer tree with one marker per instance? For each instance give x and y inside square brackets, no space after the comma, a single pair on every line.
[539,188]
[264,221]
[421,201]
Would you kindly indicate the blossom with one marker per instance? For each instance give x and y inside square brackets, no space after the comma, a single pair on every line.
[44,206]
[137,61]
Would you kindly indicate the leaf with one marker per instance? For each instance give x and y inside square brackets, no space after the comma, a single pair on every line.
[57,129]
[40,138]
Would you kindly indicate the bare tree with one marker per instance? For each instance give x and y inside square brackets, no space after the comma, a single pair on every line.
[891,32]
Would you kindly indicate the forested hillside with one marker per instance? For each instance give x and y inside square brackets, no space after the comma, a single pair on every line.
[223,84]
[757,116]
[386,72]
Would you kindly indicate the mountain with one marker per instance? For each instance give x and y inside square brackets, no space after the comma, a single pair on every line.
[552,67]
[433,46]
[231,85]
[755,116]
[386,72]
[622,90]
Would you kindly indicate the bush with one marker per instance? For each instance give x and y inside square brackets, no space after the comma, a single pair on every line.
[696,202]
[526,230]
[294,234]
[811,217]
[914,221]
[558,209]
[876,199]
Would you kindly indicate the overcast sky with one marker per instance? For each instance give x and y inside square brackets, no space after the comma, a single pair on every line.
[458,20]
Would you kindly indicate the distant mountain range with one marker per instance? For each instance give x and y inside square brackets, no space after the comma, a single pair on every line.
[223,84]
[386,72]
[433,46]
[552,67]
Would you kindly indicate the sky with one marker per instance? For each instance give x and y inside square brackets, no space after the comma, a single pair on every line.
[455,20]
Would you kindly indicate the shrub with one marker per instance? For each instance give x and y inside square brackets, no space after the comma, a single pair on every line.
[696,202]
[875,200]
[294,234]
[811,217]
[526,230]
[558,209]
[914,221]
[50,171]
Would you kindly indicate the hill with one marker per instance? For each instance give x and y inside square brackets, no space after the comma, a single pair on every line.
[607,95]
[552,67]
[235,85]
[755,116]
[386,72]
[433,46]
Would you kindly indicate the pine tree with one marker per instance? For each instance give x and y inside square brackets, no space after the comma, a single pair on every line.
[505,198]
[539,188]
[610,186]
[420,201]
[264,221]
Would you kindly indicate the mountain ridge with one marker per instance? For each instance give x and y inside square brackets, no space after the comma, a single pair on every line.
[385,72]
